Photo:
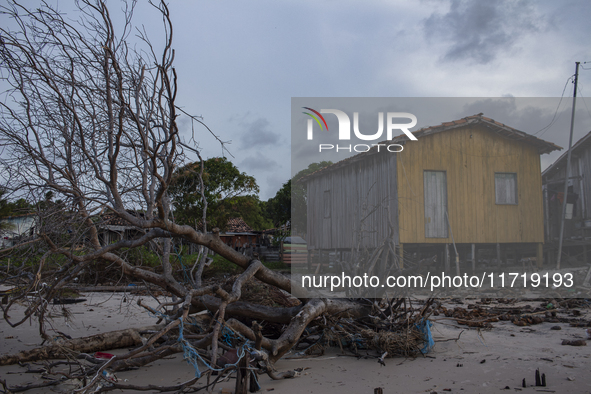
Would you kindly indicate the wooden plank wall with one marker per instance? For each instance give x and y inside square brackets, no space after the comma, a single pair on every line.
[584,169]
[580,165]
[356,191]
[471,156]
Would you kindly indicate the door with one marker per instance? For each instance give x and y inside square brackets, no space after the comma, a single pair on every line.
[435,185]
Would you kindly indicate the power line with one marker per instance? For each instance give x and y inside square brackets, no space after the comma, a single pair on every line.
[581,92]
[558,107]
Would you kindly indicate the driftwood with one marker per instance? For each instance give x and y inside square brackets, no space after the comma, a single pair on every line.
[65,348]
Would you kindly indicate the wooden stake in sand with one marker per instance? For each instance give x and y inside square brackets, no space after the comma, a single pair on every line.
[242,375]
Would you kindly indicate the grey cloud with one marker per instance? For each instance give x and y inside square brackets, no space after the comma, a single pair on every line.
[496,108]
[258,133]
[275,181]
[259,163]
[184,124]
[531,115]
[481,30]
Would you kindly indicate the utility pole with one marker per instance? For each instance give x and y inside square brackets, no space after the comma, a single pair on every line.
[567,175]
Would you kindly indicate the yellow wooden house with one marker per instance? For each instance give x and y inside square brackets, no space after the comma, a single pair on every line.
[469,184]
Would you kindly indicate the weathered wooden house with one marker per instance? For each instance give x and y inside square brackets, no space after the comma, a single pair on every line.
[15,228]
[239,235]
[112,228]
[472,183]
[578,215]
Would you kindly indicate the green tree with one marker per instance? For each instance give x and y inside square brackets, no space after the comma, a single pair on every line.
[5,210]
[225,189]
[292,197]
[11,208]
[250,209]
[279,207]
[5,207]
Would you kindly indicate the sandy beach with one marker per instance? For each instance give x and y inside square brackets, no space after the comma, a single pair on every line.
[487,360]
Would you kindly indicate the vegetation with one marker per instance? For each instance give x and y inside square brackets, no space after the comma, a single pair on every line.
[12,208]
[93,118]
[280,209]
[223,189]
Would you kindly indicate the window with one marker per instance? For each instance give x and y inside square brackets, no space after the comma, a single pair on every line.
[327,204]
[435,186]
[506,188]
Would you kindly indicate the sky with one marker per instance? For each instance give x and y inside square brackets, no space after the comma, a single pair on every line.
[548,118]
[240,63]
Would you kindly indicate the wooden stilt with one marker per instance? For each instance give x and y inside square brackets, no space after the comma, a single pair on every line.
[473,257]
[540,255]
[587,278]
[242,375]
[254,385]
[446,257]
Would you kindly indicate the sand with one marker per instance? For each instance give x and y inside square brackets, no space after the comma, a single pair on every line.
[481,361]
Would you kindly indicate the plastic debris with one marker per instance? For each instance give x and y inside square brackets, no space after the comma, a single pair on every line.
[109,376]
[103,356]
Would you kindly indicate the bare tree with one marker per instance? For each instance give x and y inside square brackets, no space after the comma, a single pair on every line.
[93,119]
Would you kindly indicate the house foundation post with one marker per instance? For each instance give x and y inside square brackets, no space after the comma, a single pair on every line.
[446,258]
[473,257]
[540,255]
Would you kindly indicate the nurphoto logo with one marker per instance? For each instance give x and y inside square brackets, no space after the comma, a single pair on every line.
[345,129]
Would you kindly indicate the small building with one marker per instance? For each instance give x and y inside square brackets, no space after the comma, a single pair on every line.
[578,214]
[472,183]
[16,227]
[113,228]
[239,235]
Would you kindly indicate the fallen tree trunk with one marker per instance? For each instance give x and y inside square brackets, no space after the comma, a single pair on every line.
[281,315]
[63,348]
[311,310]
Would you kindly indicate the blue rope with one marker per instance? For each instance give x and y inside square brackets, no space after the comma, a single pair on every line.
[480,339]
[424,326]
[258,386]
[160,315]
[227,336]
[193,357]
[178,255]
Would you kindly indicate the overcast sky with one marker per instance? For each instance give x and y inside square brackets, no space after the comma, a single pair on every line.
[239,63]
